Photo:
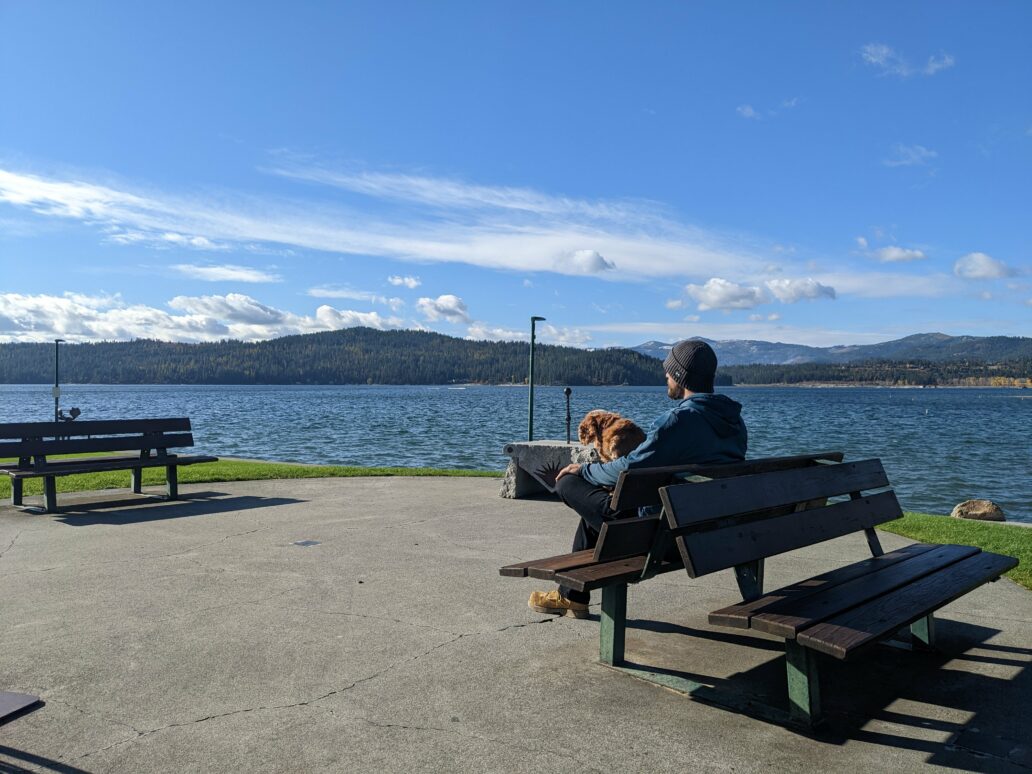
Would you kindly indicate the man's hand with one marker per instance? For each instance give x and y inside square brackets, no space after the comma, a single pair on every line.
[573,469]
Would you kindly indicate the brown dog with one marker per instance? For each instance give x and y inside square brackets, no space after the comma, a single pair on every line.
[612,435]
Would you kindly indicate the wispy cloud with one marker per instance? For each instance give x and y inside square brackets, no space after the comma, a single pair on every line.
[501,228]
[888,61]
[896,254]
[225,273]
[747,111]
[78,317]
[909,156]
[335,291]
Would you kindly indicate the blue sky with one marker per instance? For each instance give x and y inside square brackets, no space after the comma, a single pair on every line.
[816,173]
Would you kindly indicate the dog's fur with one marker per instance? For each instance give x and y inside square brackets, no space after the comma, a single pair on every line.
[612,435]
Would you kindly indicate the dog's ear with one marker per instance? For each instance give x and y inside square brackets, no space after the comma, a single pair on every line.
[588,431]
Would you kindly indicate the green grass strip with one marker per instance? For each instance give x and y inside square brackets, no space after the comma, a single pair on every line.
[998,538]
[226,470]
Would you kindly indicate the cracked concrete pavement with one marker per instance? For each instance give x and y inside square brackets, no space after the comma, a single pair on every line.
[199,636]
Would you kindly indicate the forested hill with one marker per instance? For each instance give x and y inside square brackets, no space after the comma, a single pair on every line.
[352,356]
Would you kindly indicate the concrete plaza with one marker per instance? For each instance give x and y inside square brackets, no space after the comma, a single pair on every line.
[361,625]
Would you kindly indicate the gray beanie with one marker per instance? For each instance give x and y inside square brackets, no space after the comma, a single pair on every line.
[692,363]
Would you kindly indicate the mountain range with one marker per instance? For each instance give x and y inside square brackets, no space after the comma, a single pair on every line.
[933,347]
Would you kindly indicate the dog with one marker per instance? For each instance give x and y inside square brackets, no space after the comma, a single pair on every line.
[612,435]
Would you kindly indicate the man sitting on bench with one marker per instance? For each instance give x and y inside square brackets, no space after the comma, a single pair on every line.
[703,428]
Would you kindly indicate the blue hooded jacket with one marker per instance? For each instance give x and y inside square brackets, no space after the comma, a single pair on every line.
[705,429]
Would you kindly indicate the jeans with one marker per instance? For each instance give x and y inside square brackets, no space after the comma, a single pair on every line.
[591,503]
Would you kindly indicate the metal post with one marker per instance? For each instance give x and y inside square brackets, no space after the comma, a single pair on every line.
[567,392]
[57,385]
[530,409]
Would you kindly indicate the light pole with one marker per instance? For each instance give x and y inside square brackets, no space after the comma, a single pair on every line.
[530,410]
[57,388]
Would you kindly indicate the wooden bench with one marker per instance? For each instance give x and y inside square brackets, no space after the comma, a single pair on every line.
[720,522]
[151,438]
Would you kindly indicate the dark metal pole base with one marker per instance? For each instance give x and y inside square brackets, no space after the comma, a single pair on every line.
[13,705]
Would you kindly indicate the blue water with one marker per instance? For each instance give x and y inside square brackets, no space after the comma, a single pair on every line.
[940,446]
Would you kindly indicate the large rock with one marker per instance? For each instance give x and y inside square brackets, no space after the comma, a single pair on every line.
[533,465]
[980,510]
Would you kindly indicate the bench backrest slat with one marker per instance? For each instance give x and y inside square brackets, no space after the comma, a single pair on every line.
[101,444]
[93,427]
[689,504]
[626,537]
[719,549]
[640,488]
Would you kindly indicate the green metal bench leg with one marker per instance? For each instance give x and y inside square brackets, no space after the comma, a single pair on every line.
[922,632]
[50,494]
[16,491]
[613,625]
[172,482]
[137,479]
[804,689]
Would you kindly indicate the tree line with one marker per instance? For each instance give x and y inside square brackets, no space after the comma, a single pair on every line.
[369,356]
[351,356]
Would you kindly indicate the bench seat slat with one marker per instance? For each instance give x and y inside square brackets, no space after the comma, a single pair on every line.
[789,619]
[595,576]
[549,564]
[739,616]
[844,634]
[87,466]
[738,543]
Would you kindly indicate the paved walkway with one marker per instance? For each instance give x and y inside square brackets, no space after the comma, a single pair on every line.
[200,636]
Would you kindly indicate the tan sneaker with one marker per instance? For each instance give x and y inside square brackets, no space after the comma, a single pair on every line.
[555,603]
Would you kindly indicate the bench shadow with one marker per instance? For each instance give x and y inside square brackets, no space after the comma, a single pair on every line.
[894,697]
[38,762]
[136,509]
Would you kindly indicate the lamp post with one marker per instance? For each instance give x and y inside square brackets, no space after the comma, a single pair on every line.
[57,387]
[530,410]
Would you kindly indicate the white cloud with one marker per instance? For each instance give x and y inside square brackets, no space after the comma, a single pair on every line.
[981,266]
[409,282]
[583,262]
[789,291]
[674,303]
[77,318]
[225,273]
[773,316]
[719,293]
[888,61]
[791,103]
[747,111]
[755,317]
[861,242]
[447,307]
[909,156]
[692,318]
[483,332]
[527,283]
[895,254]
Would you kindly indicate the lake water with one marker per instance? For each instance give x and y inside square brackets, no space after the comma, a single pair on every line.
[939,446]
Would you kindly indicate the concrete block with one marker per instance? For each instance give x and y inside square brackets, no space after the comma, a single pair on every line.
[533,465]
